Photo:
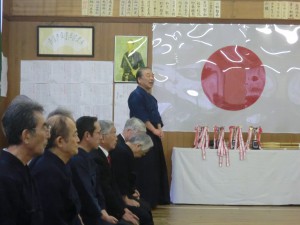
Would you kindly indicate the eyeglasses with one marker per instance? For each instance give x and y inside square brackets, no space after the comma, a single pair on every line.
[46,127]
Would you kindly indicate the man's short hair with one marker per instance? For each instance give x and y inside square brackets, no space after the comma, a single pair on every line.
[57,119]
[85,123]
[106,126]
[19,116]
[143,139]
[61,111]
[135,124]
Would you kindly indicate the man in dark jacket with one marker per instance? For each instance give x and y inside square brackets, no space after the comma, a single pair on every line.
[108,144]
[27,133]
[60,200]
[86,177]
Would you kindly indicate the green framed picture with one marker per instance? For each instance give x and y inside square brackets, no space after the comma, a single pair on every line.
[130,55]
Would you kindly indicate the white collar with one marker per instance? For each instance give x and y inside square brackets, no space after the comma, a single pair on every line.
[104,151]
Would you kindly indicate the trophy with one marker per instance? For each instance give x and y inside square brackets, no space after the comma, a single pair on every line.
[234,139]
[255,142]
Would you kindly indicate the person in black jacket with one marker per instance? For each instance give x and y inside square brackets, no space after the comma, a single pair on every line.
[27,133]
[151,170]
[123,159]
[60,200]
[114,202]
[143,211]
[86,177]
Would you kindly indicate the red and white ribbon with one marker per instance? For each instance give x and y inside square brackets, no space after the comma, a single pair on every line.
[241,147]
[216,136]
[222,148]
[197,133]
[249,137]
[202,140]
[259,131]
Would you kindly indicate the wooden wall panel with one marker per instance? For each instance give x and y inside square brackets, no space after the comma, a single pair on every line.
[19,43]
[46,7]
[232,9]
[247,9]
[22,38]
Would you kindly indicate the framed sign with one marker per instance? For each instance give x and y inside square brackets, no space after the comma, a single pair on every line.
[130,55]
[65,41]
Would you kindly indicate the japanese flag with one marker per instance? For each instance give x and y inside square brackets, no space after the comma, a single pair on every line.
[227,74]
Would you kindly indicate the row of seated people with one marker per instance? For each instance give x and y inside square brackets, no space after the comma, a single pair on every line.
[83,177]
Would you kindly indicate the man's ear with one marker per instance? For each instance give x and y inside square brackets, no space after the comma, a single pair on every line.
[59,141]
[26,136]
[86,135]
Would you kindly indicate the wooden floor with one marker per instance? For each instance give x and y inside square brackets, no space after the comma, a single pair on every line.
[226,215]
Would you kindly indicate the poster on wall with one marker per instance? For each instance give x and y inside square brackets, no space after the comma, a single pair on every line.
[83,87]
[65,41]
[130,55]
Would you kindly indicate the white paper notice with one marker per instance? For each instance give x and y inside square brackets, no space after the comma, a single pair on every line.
[122,91]
[85,88]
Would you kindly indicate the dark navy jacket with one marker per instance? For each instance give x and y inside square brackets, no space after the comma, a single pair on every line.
[60,200]
[84,172]
[144,106]
[113,198]
[19,198]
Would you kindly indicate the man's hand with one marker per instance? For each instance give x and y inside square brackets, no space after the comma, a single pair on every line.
[136,194]
[131,202]
[130,217]
[108,218]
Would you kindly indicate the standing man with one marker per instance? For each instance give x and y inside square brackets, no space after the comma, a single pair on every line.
[27,133]
[151,170]
[60,200]
[132,60]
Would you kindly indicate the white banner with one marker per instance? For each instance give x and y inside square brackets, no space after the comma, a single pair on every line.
[227,74]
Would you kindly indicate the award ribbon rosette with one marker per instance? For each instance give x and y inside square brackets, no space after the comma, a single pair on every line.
[201,140]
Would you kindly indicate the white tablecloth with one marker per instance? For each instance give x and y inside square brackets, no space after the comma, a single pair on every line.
[265,177]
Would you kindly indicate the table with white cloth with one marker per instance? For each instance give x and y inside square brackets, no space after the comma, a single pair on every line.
[264,177]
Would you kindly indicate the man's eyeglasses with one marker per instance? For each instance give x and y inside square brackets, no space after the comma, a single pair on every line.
[45,127]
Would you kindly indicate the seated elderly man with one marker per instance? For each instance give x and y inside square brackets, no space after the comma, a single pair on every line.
[107,146]
[86,177]
[60,200]
[123,159]
[138,143]
[27,133]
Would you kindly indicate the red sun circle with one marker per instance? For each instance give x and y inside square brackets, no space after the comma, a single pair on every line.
[233,78]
